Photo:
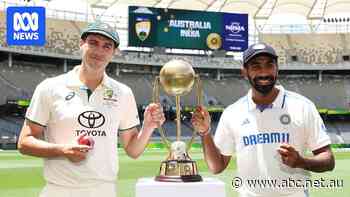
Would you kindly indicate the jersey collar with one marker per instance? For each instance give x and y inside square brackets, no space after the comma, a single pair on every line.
[277,103]
[73,80]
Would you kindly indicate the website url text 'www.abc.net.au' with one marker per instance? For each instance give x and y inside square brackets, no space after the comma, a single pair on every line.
[238,182]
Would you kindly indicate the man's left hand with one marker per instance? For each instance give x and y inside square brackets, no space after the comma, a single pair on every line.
[290,156]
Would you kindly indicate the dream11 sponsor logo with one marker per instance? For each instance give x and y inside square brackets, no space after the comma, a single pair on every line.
[91,120]
[26,26]
[235,27]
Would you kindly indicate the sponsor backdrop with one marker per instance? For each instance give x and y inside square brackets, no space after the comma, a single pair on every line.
[173,28]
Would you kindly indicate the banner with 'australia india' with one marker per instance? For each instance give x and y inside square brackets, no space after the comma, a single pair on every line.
[185,29]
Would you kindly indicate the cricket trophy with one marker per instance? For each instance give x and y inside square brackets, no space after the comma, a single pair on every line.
[177,78]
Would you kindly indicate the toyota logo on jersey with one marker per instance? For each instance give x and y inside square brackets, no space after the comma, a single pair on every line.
[91,119]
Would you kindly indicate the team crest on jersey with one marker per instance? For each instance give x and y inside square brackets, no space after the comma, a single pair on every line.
[108,93]
[109,97]
[285,119]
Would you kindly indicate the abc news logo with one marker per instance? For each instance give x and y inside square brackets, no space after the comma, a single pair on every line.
[26,26]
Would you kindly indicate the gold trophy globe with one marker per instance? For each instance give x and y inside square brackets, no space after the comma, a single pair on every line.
[177,78]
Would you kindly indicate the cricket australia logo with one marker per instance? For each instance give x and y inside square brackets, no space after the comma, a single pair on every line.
[110,96]
[91,119]
[108,93]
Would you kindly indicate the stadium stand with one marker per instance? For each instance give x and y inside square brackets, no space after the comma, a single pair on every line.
[24,76]
[203,61]
[342,131]
[20,80]
[2,29]
[139,68]
[141,86]
[7,86]
[311,48]
[335,132]
[329,93]
[227,90]
[9,130]
[62,37]
[346,136]
[280,44]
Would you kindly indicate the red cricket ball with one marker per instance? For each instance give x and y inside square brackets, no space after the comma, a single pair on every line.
[86,140]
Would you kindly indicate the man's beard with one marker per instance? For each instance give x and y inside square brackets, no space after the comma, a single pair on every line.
[263,89]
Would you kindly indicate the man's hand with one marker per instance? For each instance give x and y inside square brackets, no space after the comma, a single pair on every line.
[290,156]
[153,116]
[75,153]
[135,142]
[201,121]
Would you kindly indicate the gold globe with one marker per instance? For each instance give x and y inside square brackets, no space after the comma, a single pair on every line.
[177,77]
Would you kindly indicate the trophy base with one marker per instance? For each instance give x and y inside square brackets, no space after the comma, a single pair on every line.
[178,171]
[186,178]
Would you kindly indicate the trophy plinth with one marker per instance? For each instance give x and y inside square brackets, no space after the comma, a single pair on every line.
[177,78]
[178,171]
[178,167]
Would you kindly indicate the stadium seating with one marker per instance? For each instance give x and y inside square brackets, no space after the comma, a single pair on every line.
[346,137]
[10,129]
[25,77]
[333,92]
[341,131]
[329,93]
[313,49]
[63,39]
[2,29]
[141,86]
[21,80]
[62,36]
[161,59]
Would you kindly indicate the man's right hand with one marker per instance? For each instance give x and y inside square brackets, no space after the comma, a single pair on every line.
[201,120]
[75,153]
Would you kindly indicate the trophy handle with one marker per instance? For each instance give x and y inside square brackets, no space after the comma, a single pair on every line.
[199,97]
[155,99]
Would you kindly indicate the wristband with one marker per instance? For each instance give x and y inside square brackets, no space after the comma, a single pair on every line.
[202,134]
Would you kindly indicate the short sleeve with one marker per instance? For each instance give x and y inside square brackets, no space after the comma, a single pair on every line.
[130,117]
[39,108]
[224,138]
[316,130]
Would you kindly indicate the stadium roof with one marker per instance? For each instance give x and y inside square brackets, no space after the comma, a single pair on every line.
[261,12]
[259,9]
[265,15]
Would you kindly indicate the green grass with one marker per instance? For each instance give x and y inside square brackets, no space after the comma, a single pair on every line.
[22,175]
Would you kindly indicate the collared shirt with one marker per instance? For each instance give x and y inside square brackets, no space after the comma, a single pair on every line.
[255,135]
[278,102]
[63,106]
